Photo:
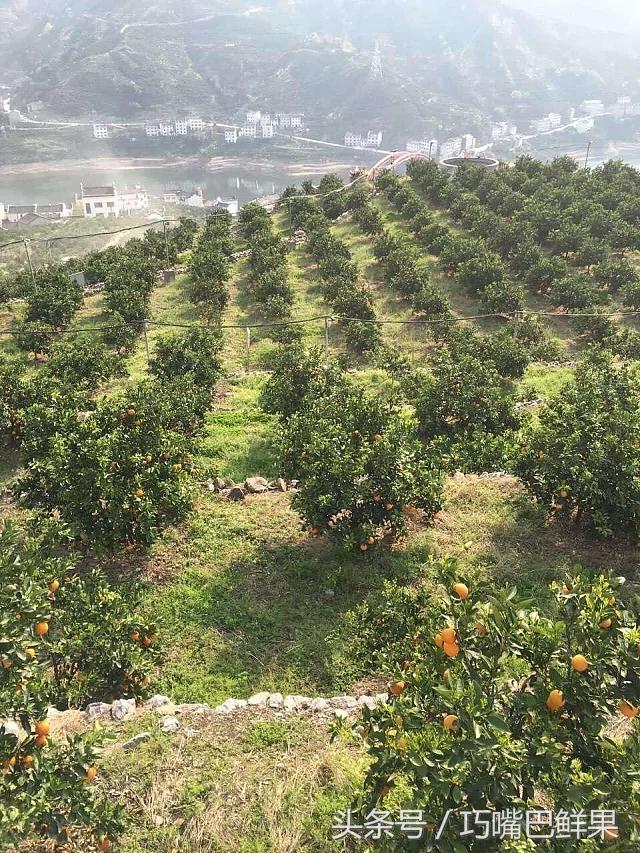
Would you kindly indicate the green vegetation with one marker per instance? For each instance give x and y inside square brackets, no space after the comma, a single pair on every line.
[453,453]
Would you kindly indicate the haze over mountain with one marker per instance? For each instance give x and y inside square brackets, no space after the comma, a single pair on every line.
[445,64]
[613,16]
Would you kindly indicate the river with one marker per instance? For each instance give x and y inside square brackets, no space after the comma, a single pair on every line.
[50,183]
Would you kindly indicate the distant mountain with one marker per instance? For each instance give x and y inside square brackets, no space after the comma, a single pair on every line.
[617,16]
[445,63]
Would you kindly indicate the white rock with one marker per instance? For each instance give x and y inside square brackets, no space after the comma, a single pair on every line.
[52,712]
[123,709]
[341,713]
[381,698]
[369,701]
[193,708]
[343,702]
[295,702]
[318,705]
[170,725]
[275,700]
[136,740]
[230,705]
[11,727]
[157,702]
[330,593]
[95,710]
[259,698]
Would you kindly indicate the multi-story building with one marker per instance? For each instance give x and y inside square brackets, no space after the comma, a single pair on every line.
[106,201]
[230,206]
[152,130]
[503,130]
[451,147]
[231,135]
[100,131]
[249,131]
[253,116]
[555,120]
[289,120]
[166,128]
[423,146]
[541,125]
[5,103]
[468,142]
[181,127]
[195,124]
[353,140]
[266,130]
[374,139]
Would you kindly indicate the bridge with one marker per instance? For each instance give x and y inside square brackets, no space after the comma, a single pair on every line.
[396,158]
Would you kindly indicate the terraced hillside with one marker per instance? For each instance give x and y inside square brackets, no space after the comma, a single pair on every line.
[403,448]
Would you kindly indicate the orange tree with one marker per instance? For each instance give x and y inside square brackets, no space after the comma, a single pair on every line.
[46,787]
[581,456]
[115,470]
[498,705]
[360,467]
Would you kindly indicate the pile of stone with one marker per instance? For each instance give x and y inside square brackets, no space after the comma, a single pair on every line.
[251,486]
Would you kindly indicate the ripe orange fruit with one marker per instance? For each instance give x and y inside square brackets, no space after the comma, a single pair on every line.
[377,499]
[461,590]
[407,665]
[451,650]
[606,623]
[439,640]
[363,547]
[91,774]
[565,589]
[627,709]
[388,507]
[27,761]
[314,531]
[445,674]
[579,663]
[6,663]
[450,723]
[402,743]
[376,437]
[148,459]
[135,636]
[139,493]
[449,635]
[131,412]
[54,586]
[104,844]
[397,687]
[555,700]
[42,727]
[480,628]
[41,740]
[147,641]
[384,791]
[10,762]
[41,628]
[610,833]
[370,540]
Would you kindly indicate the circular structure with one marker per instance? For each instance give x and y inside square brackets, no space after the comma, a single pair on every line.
[451,164]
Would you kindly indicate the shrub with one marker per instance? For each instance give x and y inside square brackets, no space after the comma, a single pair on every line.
[360,466]
[83,362]
[299,376]
[194,353]
[45,792]
[465,411]
[581,458]
[500,715]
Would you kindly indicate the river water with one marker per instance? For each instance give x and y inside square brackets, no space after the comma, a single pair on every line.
[236,181]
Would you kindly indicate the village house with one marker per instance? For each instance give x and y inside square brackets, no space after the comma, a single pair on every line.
[106,201]
[230,206]
[100,131]
[231,136]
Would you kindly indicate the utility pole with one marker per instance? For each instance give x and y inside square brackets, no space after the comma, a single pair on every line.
[26,248]
[146,339]
[586,159]
[166,243]
[326,341]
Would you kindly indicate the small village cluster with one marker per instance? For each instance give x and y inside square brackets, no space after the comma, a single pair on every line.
[106,201]
[259,125]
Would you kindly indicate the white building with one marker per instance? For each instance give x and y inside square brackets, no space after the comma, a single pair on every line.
[166,128]
[584,124]
[592,107]
[55,211]
[555,120]
[253,116]
[130,201]
[16,212]
[5,103]
[266,130]
[231,136]
[152,130]
[353,140]
[541,125]
[100,131]
[230,206]
[374,139]
[196,199]
[423,146]
[451,147]
[503,130]
[195,124]
[249,130]
[3,213]
[468,142]
[182,127]
[107,201]
[99,201]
